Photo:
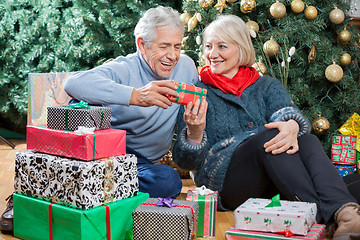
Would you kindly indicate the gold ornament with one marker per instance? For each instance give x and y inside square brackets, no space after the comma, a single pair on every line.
[260,67]
[297,6]
[277,10]
[334,72]
[337,16]
[192,23]
[247,6]
[231,1]
[271,47]
[252,25]
[344,36]
[206,3]
[220,5]
[312,54]
[320,125]
[311,12]
[184,17]
[345,59]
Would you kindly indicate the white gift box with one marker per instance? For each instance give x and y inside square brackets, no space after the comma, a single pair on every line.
[297,217]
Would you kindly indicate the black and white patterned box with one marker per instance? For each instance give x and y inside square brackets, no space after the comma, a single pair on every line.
[82,184]
[66,118]
[175,223]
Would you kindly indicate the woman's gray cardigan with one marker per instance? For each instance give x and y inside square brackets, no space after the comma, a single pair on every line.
[230,121]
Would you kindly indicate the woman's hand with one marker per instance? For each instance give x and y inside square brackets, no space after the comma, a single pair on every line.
[285,140]
[195,119]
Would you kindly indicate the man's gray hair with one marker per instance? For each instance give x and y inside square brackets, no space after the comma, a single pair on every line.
[157,17]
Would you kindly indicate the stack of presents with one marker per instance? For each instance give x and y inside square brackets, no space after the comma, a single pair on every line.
[75,181]
[345,148]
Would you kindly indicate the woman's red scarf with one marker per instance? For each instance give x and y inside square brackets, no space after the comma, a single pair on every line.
[236,85]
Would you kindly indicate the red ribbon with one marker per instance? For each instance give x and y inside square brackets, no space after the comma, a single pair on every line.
[50,221]
[192,211]
[287,233]
[108,227]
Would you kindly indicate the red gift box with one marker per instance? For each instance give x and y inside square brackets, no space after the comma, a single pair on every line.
[188,93]
[102,144]
[316,232]
[343,149]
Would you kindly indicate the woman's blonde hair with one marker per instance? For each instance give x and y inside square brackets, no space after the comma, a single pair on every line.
[231,28]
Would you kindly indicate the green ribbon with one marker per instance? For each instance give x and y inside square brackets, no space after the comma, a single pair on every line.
[201,94]
[201,215]
[80,104]
[94,147]
[275,201]
[102,117]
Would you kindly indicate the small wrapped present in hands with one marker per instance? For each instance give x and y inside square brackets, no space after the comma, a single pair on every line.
[257,214]
[165,218]
[188,93]
[207,200]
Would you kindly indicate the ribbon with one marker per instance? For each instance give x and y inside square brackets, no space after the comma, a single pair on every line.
[80,104]
[202,191]
[286,232]
[108,227]
[201,94]
[85,130]
[275,201]
[50,221]
[166,202]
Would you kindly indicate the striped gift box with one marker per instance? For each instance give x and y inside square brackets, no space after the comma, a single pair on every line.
[207,213]
[316,232]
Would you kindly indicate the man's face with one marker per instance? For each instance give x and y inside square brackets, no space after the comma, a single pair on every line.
[164,52]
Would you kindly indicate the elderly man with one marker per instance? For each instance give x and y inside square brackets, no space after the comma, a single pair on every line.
[136,88]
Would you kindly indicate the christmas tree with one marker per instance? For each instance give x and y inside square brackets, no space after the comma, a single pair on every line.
[60,36]
[308,45]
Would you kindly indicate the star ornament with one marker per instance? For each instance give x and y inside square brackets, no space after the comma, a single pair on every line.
[220,5]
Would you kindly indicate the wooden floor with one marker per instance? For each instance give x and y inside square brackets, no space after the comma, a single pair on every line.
[7,161]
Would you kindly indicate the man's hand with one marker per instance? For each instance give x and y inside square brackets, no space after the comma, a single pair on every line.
[195,119]
[285,140]
[154,93]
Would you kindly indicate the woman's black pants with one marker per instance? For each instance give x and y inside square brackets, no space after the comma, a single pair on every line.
[307,175]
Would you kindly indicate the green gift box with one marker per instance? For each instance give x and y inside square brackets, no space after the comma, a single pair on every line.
[38,219]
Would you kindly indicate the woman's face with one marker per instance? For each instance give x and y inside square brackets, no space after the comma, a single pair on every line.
[222,57]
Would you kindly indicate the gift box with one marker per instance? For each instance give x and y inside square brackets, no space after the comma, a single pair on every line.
[275,215]
[316,232]
[101,144]
[82,184]
[38,219]
[207,201]
[80,114]
[165,219]
[45,90]
[188,93]
[345,169]
[343,149]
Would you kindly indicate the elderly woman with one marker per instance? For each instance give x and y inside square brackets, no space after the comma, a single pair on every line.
[249,140]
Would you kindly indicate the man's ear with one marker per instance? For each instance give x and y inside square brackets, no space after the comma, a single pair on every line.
[141,45]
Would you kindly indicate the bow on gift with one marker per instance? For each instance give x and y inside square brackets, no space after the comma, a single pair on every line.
[202,191]
[286,232]
[80,104]
[166,202]
[275,201]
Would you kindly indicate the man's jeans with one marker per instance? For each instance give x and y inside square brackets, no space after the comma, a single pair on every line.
[158,180]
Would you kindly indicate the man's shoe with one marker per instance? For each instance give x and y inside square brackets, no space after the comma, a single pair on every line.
[6,220]
[347,219]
